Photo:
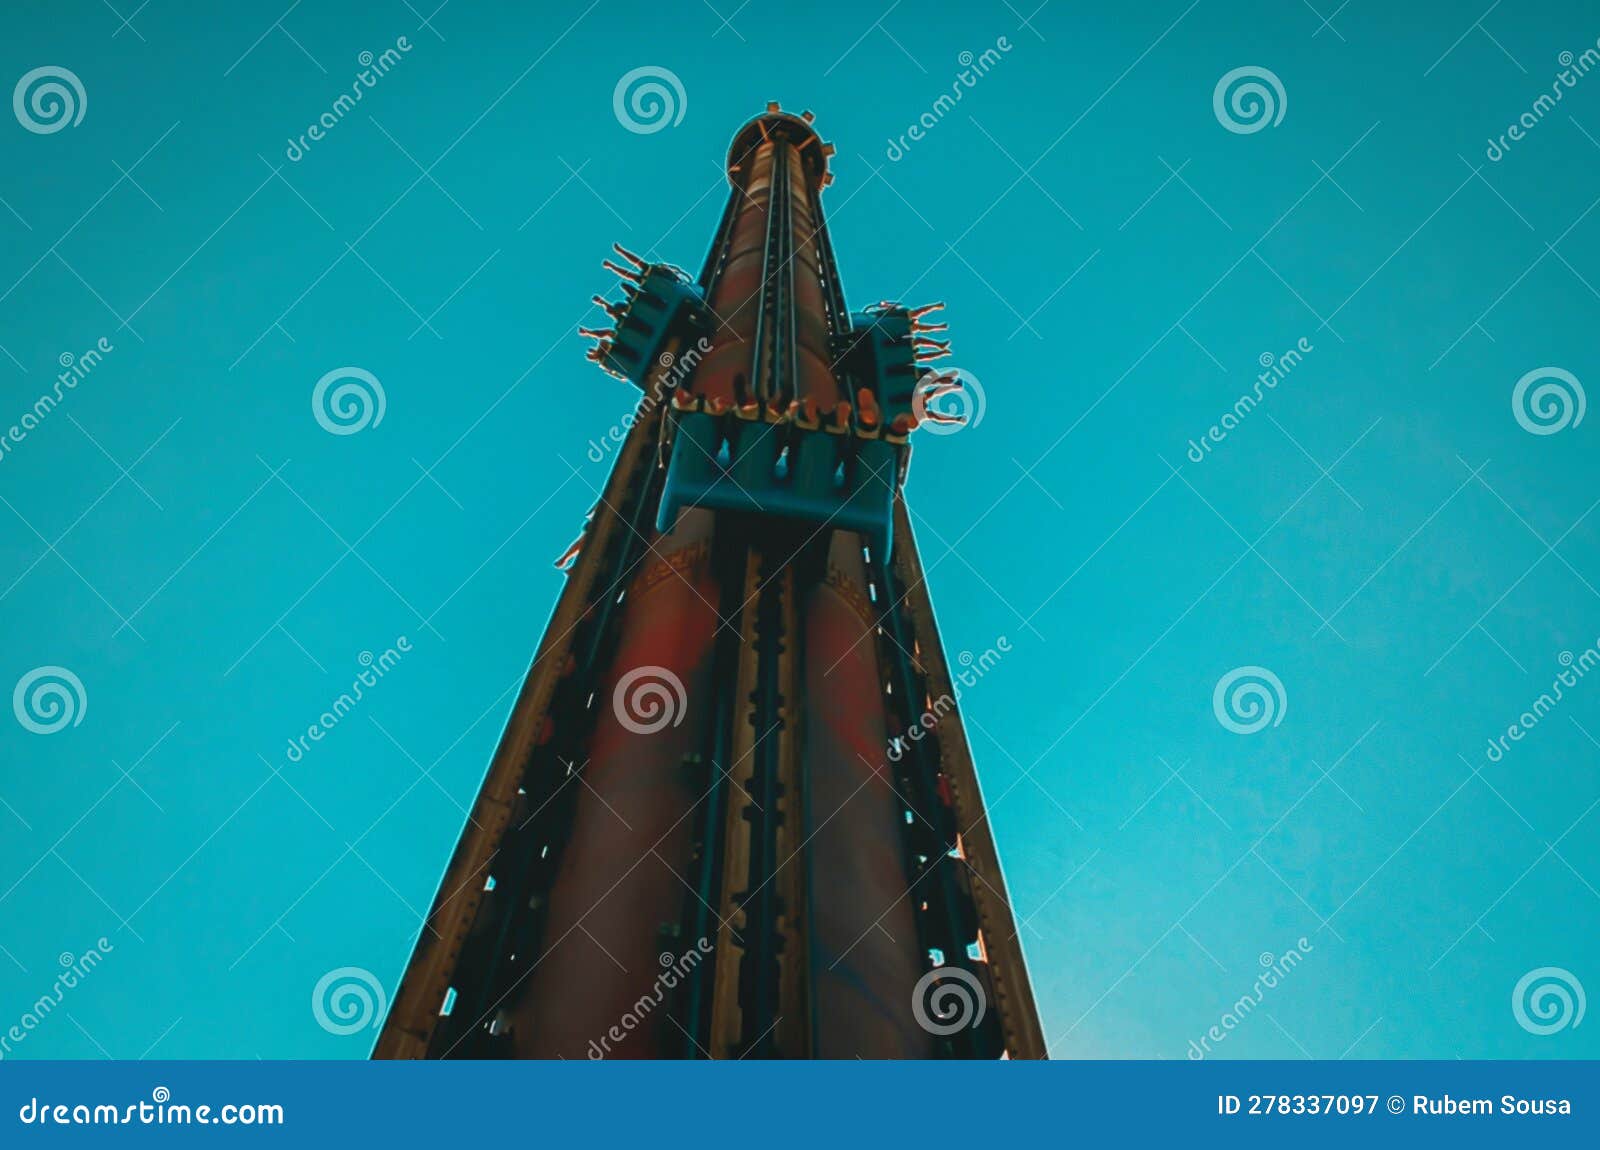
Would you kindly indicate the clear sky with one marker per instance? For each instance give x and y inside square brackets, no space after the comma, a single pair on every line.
[1380,531]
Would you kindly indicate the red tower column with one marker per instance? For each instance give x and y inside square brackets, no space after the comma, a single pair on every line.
[863,931]
[623,872]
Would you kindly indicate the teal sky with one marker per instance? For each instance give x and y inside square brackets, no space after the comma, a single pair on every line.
[1380,531]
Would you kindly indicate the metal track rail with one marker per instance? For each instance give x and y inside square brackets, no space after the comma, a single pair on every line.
[759,972]
[1012,1025]
[531,852]
[948,925]
[694,1013]
[470,927]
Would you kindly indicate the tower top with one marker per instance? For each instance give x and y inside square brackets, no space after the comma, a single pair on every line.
[775,123]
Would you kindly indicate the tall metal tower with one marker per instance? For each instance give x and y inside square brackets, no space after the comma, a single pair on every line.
[734,811]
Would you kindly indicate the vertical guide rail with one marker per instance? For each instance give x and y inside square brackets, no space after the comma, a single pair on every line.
[717,254]
[759,359]
[759,975]
[786,361]
[1012,1022]
[758,1006]
[702,920]
[727,1022]
[838,313]
[445,947]
[948,925]
[532,850]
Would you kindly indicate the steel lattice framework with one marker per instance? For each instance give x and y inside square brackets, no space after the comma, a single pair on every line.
[720,822]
